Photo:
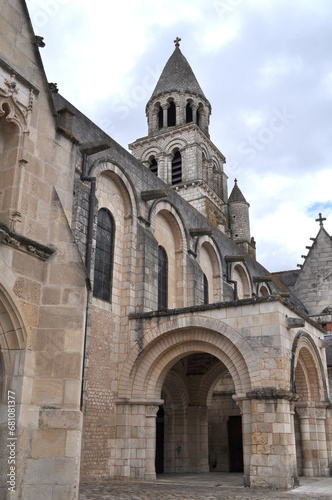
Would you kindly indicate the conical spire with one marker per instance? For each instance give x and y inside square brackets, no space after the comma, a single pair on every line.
[177,76]
[237,195]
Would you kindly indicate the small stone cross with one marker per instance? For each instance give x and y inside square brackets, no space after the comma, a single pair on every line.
[320,219]
[176,41]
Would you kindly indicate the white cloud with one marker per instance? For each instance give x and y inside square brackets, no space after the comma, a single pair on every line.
[253,59]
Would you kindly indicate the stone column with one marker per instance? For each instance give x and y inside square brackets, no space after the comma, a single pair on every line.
[308,439]
[245,410]
[162,166]
[328,427]
[322,439]
[165,108]
[153,121]
[194,108]
[150,434]
[178,113]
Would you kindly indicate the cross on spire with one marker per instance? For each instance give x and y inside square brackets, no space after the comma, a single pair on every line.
[320,219]
[176,41]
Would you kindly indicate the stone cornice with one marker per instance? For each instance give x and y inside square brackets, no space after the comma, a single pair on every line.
[224,305]
[175,132]
[24,244]
[19,77]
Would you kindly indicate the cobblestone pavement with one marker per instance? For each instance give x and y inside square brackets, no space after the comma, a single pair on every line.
[213,486]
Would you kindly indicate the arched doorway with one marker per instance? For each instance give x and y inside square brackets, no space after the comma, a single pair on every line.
[198,428]
[12,355]
[310,408]
[180,368]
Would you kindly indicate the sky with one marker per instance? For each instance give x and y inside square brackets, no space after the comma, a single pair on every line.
[264,65]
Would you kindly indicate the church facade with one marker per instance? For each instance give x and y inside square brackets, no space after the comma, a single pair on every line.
[138,333]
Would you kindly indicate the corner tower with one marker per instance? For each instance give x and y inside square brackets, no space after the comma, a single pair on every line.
[178,147]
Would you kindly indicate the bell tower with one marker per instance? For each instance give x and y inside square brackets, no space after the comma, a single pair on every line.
[178,148]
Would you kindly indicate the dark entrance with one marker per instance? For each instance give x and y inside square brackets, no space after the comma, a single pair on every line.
[160,441]
[235,444]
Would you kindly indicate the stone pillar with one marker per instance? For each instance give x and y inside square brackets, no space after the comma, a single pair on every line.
[132,440]
[245,410]
[182,111]
[178,113]
[328,427]
[162,166]
[165,108]
[150,454]
[198,448]
[273,458]
[153,121]
[194,108]
[308,439]
[322,439]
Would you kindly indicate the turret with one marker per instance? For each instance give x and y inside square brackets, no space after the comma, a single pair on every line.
[238,209]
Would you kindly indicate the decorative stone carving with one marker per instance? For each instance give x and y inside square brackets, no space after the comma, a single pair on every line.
[151,411]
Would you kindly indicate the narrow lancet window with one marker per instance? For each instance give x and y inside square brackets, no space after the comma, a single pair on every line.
[162,278]
[205,289]
[104,255]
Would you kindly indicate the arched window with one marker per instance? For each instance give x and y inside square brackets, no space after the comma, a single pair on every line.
[160,117]
[177,168]
[171,115]
[205,289]
[198,117]
[104,255]
[162,278]
[189,113]
[153,167]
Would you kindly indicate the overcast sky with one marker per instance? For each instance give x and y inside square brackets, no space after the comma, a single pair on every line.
[264,65]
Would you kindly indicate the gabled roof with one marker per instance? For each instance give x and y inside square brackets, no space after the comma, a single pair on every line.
[177,75]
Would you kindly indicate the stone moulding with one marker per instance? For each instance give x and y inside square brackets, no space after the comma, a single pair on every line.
[24,244]
[271,393]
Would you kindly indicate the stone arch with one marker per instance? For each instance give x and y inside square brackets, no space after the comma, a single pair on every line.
[241,276]
[125,184]
[179,227]
[115,193]
[263,290]
[169,341]
[176,390]
[169,233]
[308,381]
[13,340]
[163,355]
[175,144]
[152,151]
[210,263]
[171,112]
[305,353]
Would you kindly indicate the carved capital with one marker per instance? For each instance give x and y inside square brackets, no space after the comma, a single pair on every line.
[152,410]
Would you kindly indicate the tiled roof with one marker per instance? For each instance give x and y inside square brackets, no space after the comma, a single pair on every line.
[236,194]
[177,75]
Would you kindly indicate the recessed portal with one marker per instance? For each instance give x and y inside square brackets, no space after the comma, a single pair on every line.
[198,428]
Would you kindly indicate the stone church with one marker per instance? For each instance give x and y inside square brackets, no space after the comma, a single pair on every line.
[138,333]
